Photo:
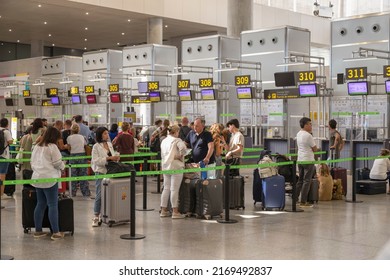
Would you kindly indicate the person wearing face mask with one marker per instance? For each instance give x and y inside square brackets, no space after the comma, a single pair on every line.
[102,152]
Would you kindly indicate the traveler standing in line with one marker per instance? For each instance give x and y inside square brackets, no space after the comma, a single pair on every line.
[26,146]
[84,129]
[201,143]
[236,146]
[76,145]
[219,145]
[173,150]
[113,131]
[306,149]
[65,134]
[46,162]
[102,152]
[6,154]
[184,129]
[124,142]
[380,170]
[334,140]
[37,131]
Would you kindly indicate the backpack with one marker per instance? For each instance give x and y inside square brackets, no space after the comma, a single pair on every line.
[284,170]
[266,172]
[155,146]
[342,142]
[3,142]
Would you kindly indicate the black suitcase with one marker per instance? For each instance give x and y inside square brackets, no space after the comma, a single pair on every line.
[209,198]
[65,212]
[187,196]
[364,173]
[313,195]
[257,188]
[10,176]
[236,193]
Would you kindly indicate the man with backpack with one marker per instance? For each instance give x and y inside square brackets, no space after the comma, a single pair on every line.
[5,141]
[336,142]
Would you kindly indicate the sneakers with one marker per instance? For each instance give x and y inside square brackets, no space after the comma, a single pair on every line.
[39,234]
[178,216]
[305,204]
[95,222]
[164,214]
[57,236]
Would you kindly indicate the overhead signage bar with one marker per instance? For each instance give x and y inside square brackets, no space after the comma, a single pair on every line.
[183,84]
[113,88]
[206,83]
[307,76]
[244,80]
[153,86]
[89,89]
[139,99]
[74,90]
[287,93]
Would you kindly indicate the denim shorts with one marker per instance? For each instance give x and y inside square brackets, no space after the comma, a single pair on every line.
[3,167]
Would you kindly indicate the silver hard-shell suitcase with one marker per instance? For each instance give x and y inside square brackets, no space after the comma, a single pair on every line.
[115,201]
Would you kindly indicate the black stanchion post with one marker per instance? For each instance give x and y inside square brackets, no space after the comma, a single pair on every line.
[145,187]
[3,257]
[226,186]
[158,191]
[294,190]
[353,200]
[132,235]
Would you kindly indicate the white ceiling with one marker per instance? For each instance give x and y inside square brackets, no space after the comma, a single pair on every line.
[66,22]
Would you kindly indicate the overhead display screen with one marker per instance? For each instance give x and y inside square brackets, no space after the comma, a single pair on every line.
[155,96]
[142,87]
[76,99]
[308,90]
[358,88]
[185,95]
[55,100]
[207,94]
[91,99]
[115,98]
[387,86]
[244,92]
[285,79]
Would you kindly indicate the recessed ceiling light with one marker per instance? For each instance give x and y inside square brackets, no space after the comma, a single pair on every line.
[49,35]
[53,45]
[39,5]
[85,48]
[45,22]
[10,30]
[86,28]
[118,44]
[123,33]
[9,51]
[129,20]
[85,39]
[166,26]
[87,13]
[18,41]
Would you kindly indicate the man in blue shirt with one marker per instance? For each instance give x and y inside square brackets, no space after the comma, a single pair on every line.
[84,130]
[201,143]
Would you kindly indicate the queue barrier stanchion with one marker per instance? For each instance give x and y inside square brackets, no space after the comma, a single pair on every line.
[226,186]
[145,188]
[294,190]
[132,235]
[353,200]
[3,257]
[158,191]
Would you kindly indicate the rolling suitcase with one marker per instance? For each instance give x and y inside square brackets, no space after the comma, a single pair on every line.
[115,201]
[339,173]
[257,188]
[187,196]
[364,173]
[209,198]
[236,193]
[10,176]
[65,212]
[273,197]
[313,195]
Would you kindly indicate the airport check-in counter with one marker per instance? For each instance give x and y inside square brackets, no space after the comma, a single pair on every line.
[277,145]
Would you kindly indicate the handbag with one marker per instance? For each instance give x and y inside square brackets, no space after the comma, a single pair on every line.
[118,167]
[88,150]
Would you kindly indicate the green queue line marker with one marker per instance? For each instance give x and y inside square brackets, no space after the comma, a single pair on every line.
[227,115]
[341,114]
[276,114]
[368,113]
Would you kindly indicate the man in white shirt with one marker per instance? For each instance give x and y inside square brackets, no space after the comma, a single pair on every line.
[306,149]
[236,145]
[6,154]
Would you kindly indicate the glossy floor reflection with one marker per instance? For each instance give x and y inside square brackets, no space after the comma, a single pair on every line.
[333,230]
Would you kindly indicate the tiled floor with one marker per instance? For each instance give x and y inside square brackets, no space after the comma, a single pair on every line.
[331,230]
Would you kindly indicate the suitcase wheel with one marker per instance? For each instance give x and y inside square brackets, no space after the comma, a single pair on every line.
[100,222]
[110,224]
[26,230]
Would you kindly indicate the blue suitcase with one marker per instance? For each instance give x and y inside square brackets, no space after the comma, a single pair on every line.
[273,197]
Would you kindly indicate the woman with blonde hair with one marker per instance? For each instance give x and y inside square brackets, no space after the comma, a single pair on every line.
[326,183]
[173,150]
[219,145]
